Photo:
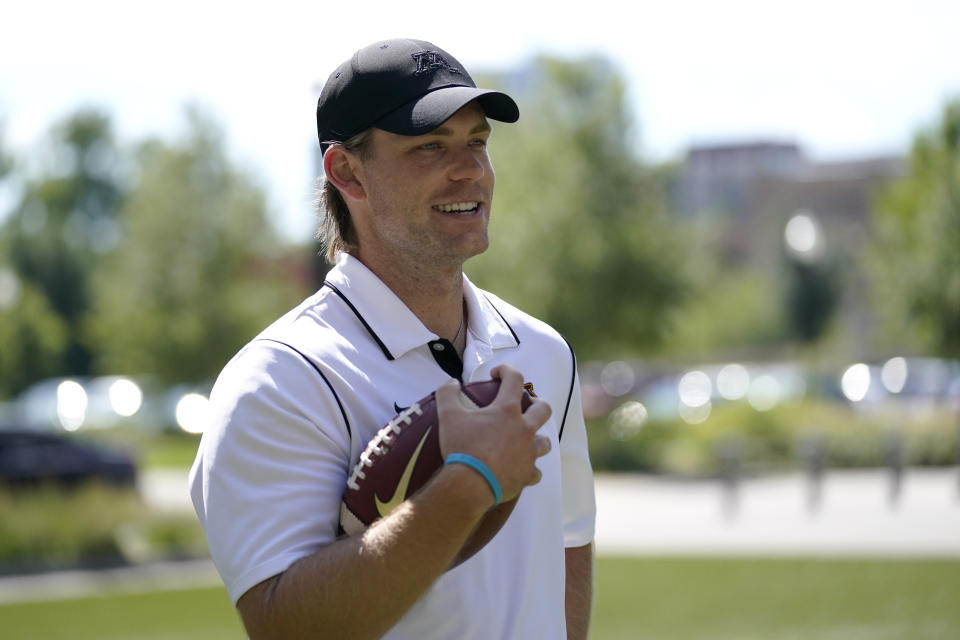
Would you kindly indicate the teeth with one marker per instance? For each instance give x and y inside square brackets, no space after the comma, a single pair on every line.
[457,206]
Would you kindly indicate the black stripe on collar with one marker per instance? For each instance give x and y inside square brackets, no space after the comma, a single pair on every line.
[366,326]
[515,337]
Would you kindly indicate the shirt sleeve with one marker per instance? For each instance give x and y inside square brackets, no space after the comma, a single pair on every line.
[271,467]
[579,502]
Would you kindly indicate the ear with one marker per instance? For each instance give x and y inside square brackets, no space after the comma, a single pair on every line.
[343,170]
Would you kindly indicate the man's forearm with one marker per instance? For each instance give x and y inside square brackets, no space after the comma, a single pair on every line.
[361,586]
[579,590]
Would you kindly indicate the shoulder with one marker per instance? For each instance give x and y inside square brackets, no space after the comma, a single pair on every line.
[288,366]
[320,327]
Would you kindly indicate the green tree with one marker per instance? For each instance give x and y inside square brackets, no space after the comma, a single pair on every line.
[199,270]
[812,295]
[6,162]
[916,256]
[32,334]
[64,223]
[578,235]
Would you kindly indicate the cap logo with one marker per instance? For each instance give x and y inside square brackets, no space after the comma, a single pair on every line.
[428,61]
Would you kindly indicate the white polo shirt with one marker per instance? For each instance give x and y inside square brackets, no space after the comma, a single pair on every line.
[293,410]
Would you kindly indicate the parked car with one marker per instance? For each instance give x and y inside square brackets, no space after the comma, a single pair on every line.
[30,458]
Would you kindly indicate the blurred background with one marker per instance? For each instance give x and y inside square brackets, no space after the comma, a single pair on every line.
[744,216]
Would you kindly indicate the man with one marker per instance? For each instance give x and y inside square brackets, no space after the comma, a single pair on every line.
[409,186]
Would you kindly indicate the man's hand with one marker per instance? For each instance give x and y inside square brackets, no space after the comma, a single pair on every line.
[501,434]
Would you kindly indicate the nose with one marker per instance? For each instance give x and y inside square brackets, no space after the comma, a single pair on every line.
[469,164]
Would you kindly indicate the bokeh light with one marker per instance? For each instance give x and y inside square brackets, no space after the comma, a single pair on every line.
[191,412]
[893,375]
[71,405]
[695,389]
[855,382]
[803,236]
[617,378]
[765,393]
[733,381]
[694,415]
[126,397]
[627,419]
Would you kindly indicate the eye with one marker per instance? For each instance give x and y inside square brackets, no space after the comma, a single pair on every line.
[479,142]
[430,146]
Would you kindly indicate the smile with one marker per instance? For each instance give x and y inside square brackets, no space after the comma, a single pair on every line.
[457,207]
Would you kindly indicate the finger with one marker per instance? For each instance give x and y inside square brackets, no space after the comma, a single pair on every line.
[542,445]
[537,476]
[511,385]
[538,413]
[447,394]
[498,371]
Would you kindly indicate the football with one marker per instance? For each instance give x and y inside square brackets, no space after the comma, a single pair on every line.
[403,456]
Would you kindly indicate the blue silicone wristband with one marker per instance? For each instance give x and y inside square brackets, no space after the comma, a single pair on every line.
[480,468]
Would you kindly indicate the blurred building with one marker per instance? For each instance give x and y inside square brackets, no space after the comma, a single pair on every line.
[720,178]
[753,189]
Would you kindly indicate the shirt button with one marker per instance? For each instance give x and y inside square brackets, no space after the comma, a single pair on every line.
[437,346]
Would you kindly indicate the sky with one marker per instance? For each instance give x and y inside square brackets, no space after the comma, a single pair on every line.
[843,79]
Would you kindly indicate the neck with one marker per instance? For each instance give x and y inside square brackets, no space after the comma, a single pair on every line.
[434,295]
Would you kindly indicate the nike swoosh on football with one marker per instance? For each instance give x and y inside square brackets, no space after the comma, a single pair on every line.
[399,494]
[399,408]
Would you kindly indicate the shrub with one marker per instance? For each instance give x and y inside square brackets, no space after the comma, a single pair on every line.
[783,437]
[50,527]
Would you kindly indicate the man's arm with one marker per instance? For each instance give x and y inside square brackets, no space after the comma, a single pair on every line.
[579,596]
[359,587]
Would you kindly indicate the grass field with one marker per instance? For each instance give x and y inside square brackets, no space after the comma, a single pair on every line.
[165,615]
[637,599]
[776,599]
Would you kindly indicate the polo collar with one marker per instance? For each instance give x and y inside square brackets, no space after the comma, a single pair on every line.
[485,322]
[394,326]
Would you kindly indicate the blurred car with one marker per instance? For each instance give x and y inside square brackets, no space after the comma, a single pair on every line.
[78,404]
[31,458]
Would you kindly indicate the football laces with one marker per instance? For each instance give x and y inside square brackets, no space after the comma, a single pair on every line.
[380,443]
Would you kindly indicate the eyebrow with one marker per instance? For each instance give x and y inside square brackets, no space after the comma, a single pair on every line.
[446,131]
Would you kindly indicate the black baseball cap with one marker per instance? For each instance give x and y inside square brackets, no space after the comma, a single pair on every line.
[407,87]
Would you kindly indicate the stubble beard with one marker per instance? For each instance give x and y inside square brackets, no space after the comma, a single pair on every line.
[424,246]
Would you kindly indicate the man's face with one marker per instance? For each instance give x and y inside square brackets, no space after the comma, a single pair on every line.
[428,196]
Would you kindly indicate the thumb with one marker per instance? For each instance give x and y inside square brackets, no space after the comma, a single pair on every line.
[447,393]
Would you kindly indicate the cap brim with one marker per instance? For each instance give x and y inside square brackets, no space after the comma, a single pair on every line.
[429,111]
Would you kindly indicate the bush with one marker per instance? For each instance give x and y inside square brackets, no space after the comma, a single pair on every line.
[781,438]
[51,527]
[94,525]
[167,536]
